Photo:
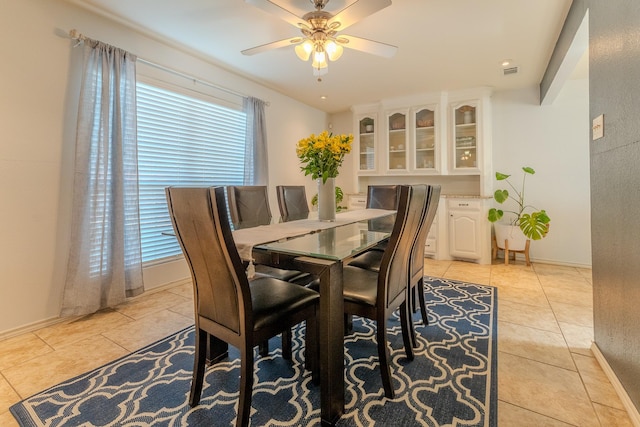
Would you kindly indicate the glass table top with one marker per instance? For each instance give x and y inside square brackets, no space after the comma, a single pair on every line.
[336,243]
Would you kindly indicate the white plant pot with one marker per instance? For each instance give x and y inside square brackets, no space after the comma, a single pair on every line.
[512,233]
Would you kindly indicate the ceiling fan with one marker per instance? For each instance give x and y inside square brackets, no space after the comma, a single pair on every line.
[320,40]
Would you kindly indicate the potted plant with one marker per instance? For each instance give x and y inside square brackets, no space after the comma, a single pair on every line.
[321,157]
[526,222]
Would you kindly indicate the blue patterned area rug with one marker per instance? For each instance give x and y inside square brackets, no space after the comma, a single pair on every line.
[451,382]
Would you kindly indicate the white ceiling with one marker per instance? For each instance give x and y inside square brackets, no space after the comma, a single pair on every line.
[442,44]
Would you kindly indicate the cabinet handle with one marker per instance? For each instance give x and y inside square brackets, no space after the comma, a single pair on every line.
[463,204]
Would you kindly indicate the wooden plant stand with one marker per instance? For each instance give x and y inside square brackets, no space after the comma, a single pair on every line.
[507,251]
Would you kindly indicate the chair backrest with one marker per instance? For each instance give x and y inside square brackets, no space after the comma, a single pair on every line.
[394,266]
[383,196]
[417,253]
[292,202]
[248,205]
[221,288]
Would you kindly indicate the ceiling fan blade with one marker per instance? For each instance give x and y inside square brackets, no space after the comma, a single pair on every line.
[272,45]
[274,8]
[356,11]
[368,46]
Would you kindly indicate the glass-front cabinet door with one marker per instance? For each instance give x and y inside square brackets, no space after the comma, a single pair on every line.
[465,137]
[366,144]
[425,147]
[397,142]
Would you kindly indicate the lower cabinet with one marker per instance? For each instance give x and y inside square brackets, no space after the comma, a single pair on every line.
[464,228]
[460,229]
[469,231]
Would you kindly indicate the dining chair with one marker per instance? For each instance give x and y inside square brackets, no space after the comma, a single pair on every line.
[228,307]
[416,274]
[372,260]
[249,207]
[391,281]
[382,196]
[292,202]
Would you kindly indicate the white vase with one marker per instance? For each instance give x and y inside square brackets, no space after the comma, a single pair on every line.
[327,200]
[512,233]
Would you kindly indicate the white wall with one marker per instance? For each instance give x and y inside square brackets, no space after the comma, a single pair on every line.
[37,145]
[554,140]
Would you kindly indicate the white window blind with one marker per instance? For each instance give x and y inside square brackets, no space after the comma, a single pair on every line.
[182,141]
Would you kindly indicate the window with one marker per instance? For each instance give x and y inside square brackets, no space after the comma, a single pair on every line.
[182,140]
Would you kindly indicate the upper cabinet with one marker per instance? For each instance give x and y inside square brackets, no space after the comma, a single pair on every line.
[465,142]
[366,143]
[425,156]
[446,133]
[397,142]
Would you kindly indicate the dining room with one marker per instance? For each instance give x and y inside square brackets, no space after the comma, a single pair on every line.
[42,86]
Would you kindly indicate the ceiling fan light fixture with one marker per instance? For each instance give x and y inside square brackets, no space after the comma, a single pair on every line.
[334,50]
[319,60]
[304,49]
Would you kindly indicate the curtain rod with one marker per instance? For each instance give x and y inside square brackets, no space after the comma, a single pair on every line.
[75,35]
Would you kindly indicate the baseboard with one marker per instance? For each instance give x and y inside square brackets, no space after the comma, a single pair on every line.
[634,415]
[534,260]
[10,333]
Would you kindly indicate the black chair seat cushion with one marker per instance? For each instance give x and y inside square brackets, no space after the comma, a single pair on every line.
[360,285]
[274,300]
[369,260]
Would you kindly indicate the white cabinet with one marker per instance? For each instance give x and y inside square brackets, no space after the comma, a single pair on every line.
[465,140]
[414,138]
[397,142]
[439,138]
[467,229]
[366,143]
[425,147]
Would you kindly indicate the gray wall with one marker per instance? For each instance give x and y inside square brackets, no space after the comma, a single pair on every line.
[614,86]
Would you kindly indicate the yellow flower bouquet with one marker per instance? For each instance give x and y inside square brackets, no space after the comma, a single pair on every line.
[323,154]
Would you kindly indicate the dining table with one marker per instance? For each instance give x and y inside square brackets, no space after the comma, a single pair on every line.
[320,248]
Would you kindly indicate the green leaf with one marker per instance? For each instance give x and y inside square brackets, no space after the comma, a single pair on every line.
[495,214]
[527,169]
[501,176]
[536,225]
[501,196]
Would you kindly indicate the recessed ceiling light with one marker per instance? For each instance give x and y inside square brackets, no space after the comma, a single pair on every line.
[323,97]
[506,63]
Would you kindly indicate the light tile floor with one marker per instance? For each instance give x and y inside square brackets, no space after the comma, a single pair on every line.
[547,375]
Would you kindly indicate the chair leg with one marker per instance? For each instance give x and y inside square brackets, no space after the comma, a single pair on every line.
[383,358]
[423,303]
[198,367]
[407,329]
[286,344]
[263,348]
[348,324]
[246,387]
[411,294]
